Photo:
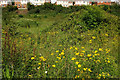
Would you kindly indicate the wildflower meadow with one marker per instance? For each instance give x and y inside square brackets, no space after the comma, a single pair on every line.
[64,43]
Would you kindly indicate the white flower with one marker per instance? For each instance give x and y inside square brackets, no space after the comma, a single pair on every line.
[45,71]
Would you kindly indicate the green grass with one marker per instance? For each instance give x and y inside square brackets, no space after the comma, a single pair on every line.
[48,50]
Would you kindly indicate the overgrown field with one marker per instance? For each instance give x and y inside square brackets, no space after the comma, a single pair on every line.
[53,44]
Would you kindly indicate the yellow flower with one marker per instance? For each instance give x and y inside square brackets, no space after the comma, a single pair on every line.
[98,61]
[59,54]
[93,37]
[83,51]
[77,54]
[103,75]
[29,38]
[107,50]
[53,65]
[84,69]
[77,63]
[95,54]
[39,63]
[98,54]
[89,55]
[99,74]
[56,61]
[76,48]
[60,45]
[106,34]
[41,57]
[63,56]
[51,53]
[78,70]
[44,59]
[90,58]
[76,76]
[32,57]
[90,41]
[62,53]
[38,67]
[70,47]
[57,51]
[73,58]
[29,75]
[89,70]
[96,51]
[108,61]
[108,74]
[100,49]
[59,58]
[98,77]
[81,54]
[107,58]
[82,47]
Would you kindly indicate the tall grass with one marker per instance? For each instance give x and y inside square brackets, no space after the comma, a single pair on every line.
[65,48]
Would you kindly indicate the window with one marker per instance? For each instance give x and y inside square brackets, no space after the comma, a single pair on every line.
[16,4]
[83,1]
[19,4]
[3,5]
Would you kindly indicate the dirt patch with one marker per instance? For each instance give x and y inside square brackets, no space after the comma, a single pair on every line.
[24,11]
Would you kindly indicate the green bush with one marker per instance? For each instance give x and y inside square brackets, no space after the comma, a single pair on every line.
[45,16]
[20,16]
[11,8]
[29,6]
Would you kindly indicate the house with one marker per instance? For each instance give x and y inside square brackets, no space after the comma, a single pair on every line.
[118,2]
[39,2]
[4,3]
[81,2]
[47,1]
[64,3]
[21,3]
[104,3]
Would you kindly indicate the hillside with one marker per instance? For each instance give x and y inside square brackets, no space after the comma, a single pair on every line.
[57,44]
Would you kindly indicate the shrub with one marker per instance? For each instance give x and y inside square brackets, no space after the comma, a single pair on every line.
[11,8]
[45,16]
[29,6]
[35,16]
[20,16]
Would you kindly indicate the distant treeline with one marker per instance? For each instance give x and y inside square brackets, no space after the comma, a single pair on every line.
[47,7]
[115,9]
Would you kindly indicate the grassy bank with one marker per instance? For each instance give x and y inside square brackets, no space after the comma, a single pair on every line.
[80,44]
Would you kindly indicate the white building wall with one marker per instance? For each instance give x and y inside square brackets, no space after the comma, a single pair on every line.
[24,2]
[37,2]
[4,2]
[64,3]
[81,3]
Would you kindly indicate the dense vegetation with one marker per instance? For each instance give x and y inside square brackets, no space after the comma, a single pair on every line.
[55,42]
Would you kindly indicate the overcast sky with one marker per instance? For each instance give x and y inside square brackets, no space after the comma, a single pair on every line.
[53,1]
